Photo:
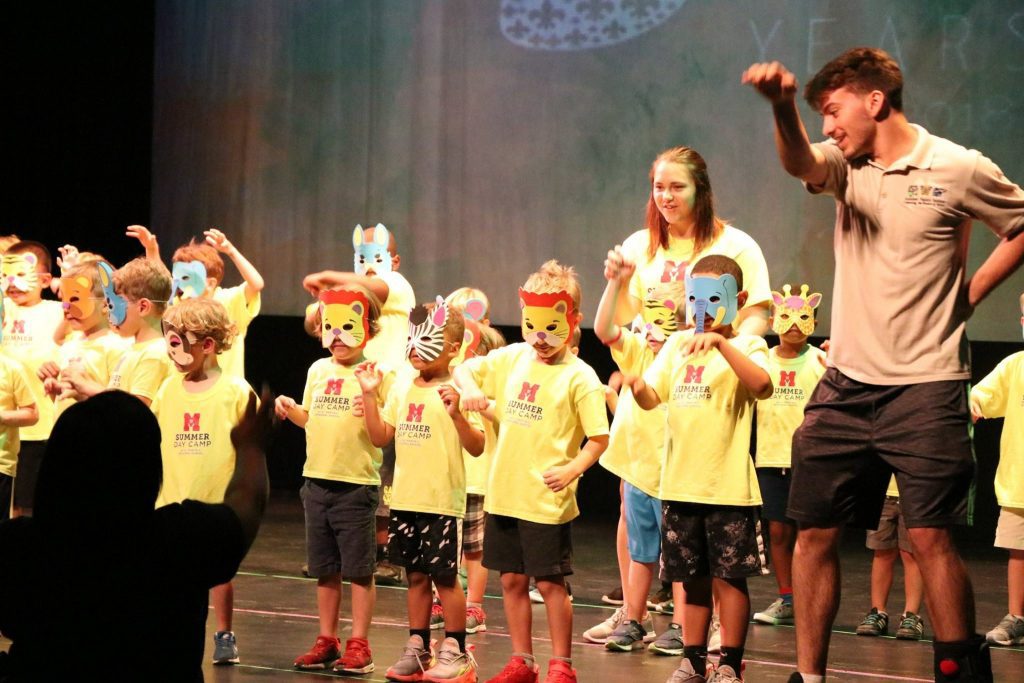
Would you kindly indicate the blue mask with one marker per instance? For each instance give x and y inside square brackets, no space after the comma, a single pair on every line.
[713,296]
[188,279]
[373,255]
[117,305]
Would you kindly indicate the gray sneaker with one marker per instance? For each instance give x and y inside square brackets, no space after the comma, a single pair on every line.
[778,613]
[724,674]
[875,624]
[599,634]
[669,643]
[451,664]
[911,627]
[415,659]
[225,648]
[685,674]
[627,637]
[1010,631]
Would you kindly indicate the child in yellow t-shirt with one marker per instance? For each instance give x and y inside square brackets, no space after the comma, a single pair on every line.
[795,367]
[423,417]
[197,271]
[28,336]
[136,298]
[17,409]
[547,400]
[478,340]
[93,350]
[636,449]
[197,410]
[1001,394]
[711,531]
[342,477]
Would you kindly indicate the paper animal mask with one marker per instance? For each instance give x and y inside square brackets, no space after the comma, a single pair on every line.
[547,318]
[794,309]
[179,344]
[711,296]
[76,296]
[344,315]
[659,313]
[117,305]
[19,271]
[188,279]
[426,330]
[372,255]
[474,312]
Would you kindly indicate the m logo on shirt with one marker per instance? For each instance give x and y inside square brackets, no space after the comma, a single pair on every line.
[191,422]
[693,374]
[415,412]
[18,327]
[787,378]
[674,272]
[334,387]
[529,392]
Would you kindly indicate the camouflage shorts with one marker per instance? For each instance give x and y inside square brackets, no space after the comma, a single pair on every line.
[711,540]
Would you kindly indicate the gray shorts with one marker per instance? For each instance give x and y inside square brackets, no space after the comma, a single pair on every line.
[340,528]
[855,436]
[892,531]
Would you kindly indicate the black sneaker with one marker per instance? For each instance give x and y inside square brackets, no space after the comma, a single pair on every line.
[627,637]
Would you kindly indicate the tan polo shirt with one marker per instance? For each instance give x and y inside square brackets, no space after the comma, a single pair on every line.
[899,303]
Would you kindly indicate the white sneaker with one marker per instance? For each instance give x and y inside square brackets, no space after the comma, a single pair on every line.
[600,633]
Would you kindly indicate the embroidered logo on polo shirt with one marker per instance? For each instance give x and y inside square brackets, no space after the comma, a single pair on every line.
[925,195]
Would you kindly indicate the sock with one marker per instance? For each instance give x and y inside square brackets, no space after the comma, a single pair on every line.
[423,633]
[567,660]
[475,604]
[698,656]
[812,678]
[460,638]
[787,595]
[967,660]
[732,656]
[527,659]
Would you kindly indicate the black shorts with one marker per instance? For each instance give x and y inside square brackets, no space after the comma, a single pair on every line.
[855,435]
[6,488]
[774,483]
[340,528]
[723,541]
[522,547]
[30,457]
[425,543]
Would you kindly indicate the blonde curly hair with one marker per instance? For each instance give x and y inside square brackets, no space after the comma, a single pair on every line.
[204,318]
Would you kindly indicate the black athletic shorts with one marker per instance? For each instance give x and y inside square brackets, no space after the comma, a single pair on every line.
[855,436]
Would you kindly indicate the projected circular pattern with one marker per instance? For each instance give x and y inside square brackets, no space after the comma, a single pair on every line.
[581,24]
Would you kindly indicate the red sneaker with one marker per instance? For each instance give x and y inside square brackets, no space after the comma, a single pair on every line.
[516,671]
[559,671]
[357,658]
[325,650]
[476,620]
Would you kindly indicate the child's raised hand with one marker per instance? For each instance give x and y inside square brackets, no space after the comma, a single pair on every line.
[68,258]
[369,376]
[143,235]
[218,240]
[699,343]
[560,476]
[283,405]
[450,397]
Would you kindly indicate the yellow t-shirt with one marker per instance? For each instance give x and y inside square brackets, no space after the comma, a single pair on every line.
[389,344]
[779,416]
[14,393]
[429,472]
[241,313]
[1001,394]
[142,369]
[671,263]
[544,412]
[28,338]
[636,445]
[478,467]
[709,419]
[338,446]
[98,355]
[198,455]
[893,491]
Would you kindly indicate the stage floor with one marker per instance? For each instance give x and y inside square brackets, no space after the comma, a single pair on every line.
[275,617]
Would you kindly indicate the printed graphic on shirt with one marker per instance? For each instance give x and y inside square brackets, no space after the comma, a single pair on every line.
[191,440]
[523,409]
[691,391]
[331,402]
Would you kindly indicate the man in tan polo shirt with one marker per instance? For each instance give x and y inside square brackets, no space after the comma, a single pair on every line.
[894,397]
